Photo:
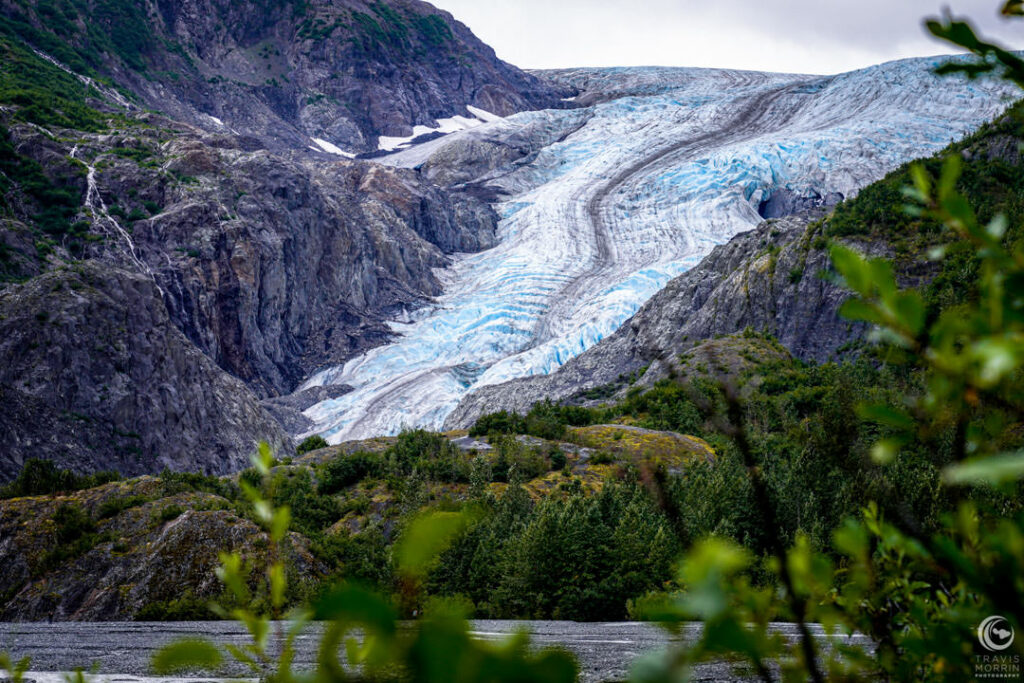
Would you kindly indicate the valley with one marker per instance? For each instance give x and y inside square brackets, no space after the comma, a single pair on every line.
[316,314]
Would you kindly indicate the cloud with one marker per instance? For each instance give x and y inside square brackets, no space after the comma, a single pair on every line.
[812,36]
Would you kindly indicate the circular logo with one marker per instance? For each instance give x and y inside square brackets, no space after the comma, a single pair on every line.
[995,634]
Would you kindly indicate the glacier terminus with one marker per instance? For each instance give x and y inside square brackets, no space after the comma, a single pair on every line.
[606,202]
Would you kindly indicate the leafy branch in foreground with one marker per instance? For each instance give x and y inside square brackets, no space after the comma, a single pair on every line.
[918,594]
[993,58]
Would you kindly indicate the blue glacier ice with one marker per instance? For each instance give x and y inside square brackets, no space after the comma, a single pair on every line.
[634,190]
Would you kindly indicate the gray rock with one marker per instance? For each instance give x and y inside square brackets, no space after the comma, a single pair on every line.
[96,376]
[288,409]
[785,202]
[273,265]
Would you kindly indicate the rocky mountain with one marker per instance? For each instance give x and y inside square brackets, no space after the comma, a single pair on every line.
[116,550]
[247,255]
[199,156]
[146,548]
[269,266]
[286,72]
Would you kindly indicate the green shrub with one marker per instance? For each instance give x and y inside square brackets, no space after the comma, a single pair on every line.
[558,459]
[311,443]
[53,205]
[168,513]
[184,608]
[41,477]
[429,453]
[74,535]
[312,512]
[501,422]
[181,482]
[346,470]
[116,506]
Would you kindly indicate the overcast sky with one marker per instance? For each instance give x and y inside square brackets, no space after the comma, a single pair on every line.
[806,36]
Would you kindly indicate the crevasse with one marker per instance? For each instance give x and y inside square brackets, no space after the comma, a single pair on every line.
[634,191]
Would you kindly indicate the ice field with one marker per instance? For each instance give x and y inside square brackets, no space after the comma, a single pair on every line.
[619,197]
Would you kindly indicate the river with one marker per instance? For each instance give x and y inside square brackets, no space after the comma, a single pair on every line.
[119,652]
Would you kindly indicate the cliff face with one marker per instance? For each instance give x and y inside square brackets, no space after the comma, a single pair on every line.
[286,71]
[216,245]
[96,376]
[269,265]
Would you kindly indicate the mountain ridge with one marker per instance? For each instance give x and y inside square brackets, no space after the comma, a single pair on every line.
[286,72]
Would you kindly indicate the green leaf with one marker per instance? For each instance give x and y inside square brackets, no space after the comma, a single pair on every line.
[961,210]
[909,307]
[277,584]
[264,512]
[242,656]
[279,525]
[998,358]
[996,469]
[859,309]
[950,175]
[427,537]
[880,273]
[884,451]
[885,415]
[348,603]
[230,573]
[922,182]
[189,654]
[15,670]
[263,459]
[997,227]
[852,267]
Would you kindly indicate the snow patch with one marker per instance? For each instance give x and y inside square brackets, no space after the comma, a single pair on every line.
[482,114]
[332,148]
[452,124]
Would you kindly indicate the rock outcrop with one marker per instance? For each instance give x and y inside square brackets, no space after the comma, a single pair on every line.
[273,265]
[96,376]
[161,550]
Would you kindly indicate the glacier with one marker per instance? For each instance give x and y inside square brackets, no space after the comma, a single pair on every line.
[623,193]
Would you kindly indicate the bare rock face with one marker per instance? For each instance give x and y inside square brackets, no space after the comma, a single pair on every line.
[768,279]
[273,265]
[96,376]
[268,265]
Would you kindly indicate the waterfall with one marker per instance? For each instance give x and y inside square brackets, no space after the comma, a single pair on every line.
[110,225]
